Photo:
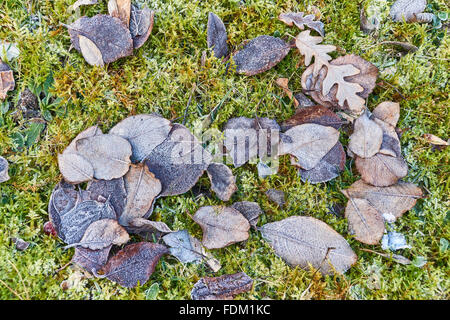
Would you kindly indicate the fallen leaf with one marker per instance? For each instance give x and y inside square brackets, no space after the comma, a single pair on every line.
[64,197]
[300,20]
[6,80]
[101,234]
[91,260]
[388,112]
[217,36]
[435,140]
[134,264]
[221,288]
[112,190]
[310,47]
[381,170]
[250,210]
[108,154]
[148,229]
[75,168]
[276,196]
[309,143]
[390,144]
[315,114]
[221,226]
[303,100]
[141,25]
[283,84]
[423,17]
[182,247]
[241,140]
[90,51]
[223,182]
[394,200]
[366,138]
[305,241]
[79,3]
[109,34]
[120,9]
[142,188]
[178,162]
[405,10]
[260,54]
[4,167]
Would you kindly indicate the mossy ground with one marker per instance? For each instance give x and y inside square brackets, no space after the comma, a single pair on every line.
[159,78]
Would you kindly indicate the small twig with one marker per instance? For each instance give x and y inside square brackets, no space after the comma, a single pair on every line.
[14,292]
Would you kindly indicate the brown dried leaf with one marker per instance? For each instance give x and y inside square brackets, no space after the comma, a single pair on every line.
[90,51]
[388,112]
[391,144]
[148,229]
[221,288]
[142,187]
[283,84]
[112,190]
[304,241]
[300,20]
[217,36]
[396,257]
[223,182]
[141,25]
[435,140]
[394,200]
[364,221]
[109,34]
[221,226]
[250,210]
[182,246]
[7,82]
[120,9]
[316,114]
[108,154]
[260,54]
[309,47]
[75,168]
[406,10]
[381,170]
[366,138]
[91,260]
[4,167]
[134,264]
[309,143]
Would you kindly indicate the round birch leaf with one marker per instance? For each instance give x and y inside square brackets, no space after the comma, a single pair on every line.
[75,168]
[381,170]
[367,137]
[388,112]
[112,190]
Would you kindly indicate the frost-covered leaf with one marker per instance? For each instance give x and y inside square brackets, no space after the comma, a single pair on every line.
[111,190]
[141,25]
[390,144]
[435,140]
[388,112]
[142,188]
[4,166]
[221,288]
[310,47]
[300,20]
[315,114]
[221,226]
[394,241]
[406,10]
[89,132]
[134,264]
[182,247]
[366,138]
[63,198]
[108,154]
[8,50]
[309,143]
[217,36]
[304,241]
[223,182]
[109,34]
[79,3]
[7,82]
[381,170]
[260,54]
[250,210]
[75,168]
[90,51]
[148,229]
[91,260]
[120,9]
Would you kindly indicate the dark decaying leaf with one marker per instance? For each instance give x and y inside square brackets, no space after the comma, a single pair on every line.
[314,114]
[109,34]
[304,241]
[381,170]
[366,138]
[250,210]
[134,264]
[308,142]
[141,25]
[221,288]
[178,162]
[20,244]
[260,54]
[7,82]
[108,154]
[182,246]
[221,226]
[147,229]
[91,260]
[142,188]
[300,20]
[27,107]
[112,190]
[223,182]
[331,165]
[101,234]
[276,196]
[388,112]
[74,223]
[394,200]
[75,168]
[217,36]
[4,167]
[406,10]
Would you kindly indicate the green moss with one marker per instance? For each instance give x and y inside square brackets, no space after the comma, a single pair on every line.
[159,78]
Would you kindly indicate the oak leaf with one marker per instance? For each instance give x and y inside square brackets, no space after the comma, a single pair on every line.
[300,20]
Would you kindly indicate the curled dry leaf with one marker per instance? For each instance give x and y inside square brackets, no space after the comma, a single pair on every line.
[406,10]
[112,190]
[108,154]
[182,246]
[91,260]
[178,162]
[283,84]
[221,226]
[109,34]
[79,3]
[388,112]
[309,143]
[300,20]
[217,36]
[381,170]
[7,82]
[395,257]
[90,51]
[141,25]
[102,234]
[434,140]
[394,200]
[221,288]
[250,210]
[75,168]
[315,114]
[366,138]
[134,264]
[223,182]
[4,166]
[120,9]
[142,188]
[149,230]
[304,241]
[260,54]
